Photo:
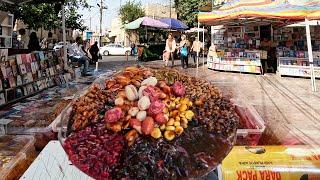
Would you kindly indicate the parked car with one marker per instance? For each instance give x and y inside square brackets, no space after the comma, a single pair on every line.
[114,49]
[58,46]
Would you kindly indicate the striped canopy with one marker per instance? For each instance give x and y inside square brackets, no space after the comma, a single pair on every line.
[289,10]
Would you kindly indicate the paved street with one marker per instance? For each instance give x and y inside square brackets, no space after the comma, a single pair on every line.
[289,108]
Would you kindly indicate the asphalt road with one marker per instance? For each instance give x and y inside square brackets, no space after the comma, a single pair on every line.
[115,62]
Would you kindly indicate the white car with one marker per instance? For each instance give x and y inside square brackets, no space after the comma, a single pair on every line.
[114,49]
[59,46]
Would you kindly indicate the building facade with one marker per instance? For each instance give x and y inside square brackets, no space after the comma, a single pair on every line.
[158,11]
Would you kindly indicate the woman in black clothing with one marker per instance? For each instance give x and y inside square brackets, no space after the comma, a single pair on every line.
[94,50]
[34,44]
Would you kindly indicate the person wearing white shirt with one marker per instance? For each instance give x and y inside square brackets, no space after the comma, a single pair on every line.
[170,49]
[76,54]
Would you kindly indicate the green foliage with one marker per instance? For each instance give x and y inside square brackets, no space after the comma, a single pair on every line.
[187,10]
[131,11]
[47,14]
[74,20]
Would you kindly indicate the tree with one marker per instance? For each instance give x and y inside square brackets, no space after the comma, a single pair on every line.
[131,11]
[74,20]
[187,10]
[46,14]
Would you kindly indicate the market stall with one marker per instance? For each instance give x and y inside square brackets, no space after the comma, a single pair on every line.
[147,50]
[244,13]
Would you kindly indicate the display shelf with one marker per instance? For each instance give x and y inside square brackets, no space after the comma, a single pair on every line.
[28,74]
[40,79]
[294,66]
[237,64]
[298,72]
[6,21]
[230,70]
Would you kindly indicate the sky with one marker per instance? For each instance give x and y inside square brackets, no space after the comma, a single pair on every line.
[110,13]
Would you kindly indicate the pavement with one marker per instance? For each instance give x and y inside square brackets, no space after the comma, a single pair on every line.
[289,108]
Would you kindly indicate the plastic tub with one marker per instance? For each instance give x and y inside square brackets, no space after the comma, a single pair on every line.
[16,154]
[251,125]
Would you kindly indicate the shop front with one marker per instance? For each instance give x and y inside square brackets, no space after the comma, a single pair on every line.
[255,38]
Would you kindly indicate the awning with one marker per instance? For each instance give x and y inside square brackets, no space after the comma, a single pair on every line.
[146,21]
[285,10]
[174,24]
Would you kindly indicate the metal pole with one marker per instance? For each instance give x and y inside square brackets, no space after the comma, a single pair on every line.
[212,4]
[64,38]
[310,54]
[203,47]
[198,44]
[101,13]
[170,9]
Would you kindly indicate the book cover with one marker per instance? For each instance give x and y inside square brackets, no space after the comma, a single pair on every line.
[19,92]
[3,55]
[30,89]
[25,92]
[25,79]
[41,55]
[9,72]
[23,69]
[35,87]
[39,74]
[33,57]
[12,61]
[24,58]
[19,59]
[29,77]
[29,58]
[10,95]
[2,99]
[51,70]
[12,82]
[28,67]
[3,71]
[33,68]
[19,80]
[37,56]
[14,70]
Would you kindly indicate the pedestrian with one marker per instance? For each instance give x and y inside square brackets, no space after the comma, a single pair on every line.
[184,51]
[133,46]
[94,51]
[76,54]
[34,44]
[196,48]
[169,50]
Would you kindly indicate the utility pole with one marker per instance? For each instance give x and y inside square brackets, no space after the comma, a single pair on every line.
[101,14]
[170,8]
[90,23]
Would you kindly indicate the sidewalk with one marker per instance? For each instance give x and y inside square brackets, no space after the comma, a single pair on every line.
[287,105]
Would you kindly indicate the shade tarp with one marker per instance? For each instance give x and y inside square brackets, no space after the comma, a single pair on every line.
[279,9]
[148,22]
[174,24]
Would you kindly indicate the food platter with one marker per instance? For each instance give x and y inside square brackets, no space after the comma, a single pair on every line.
[147,123]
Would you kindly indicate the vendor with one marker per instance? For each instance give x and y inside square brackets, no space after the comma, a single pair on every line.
[266,46]
[76,54]
[212,52]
